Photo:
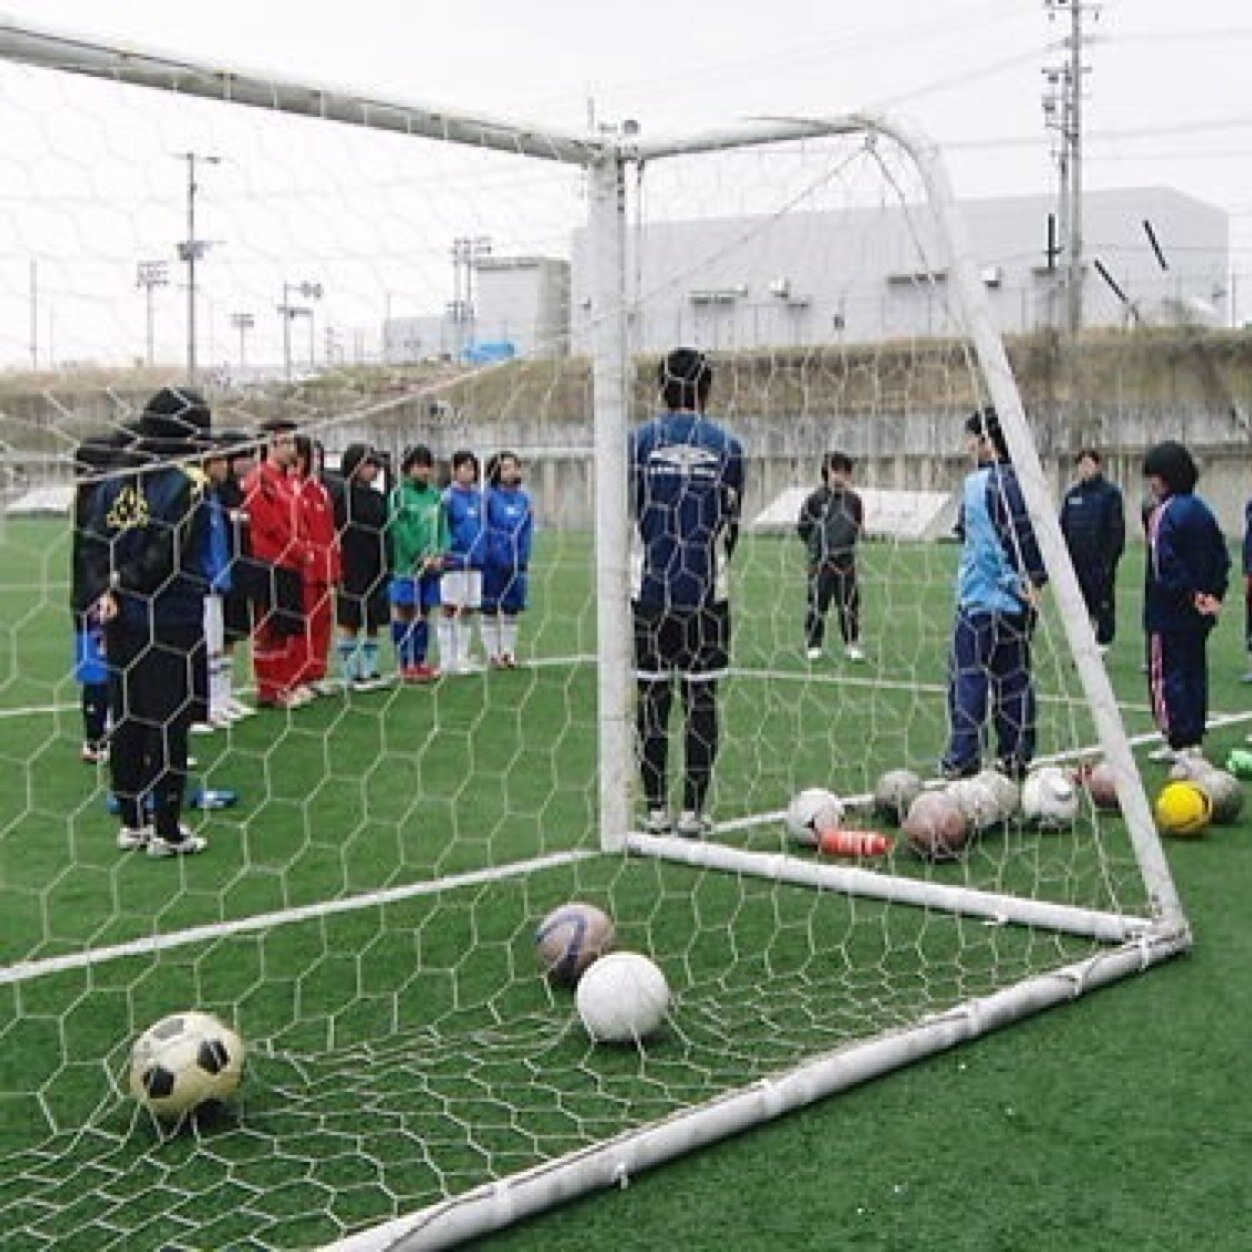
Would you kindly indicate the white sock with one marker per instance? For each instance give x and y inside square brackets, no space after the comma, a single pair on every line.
[508,636]
[219,685]
[462,639]
[489,628]
[447,642]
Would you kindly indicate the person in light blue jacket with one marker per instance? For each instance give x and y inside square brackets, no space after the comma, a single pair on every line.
[998,585]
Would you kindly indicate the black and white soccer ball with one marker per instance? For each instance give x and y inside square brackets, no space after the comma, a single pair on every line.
[1049,798]
[184,1061]
[812,811]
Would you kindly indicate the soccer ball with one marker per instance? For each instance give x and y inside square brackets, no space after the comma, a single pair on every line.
[1225,792]
[813,811]
[1049,798]
[1007,793]
[1101,784]
[936,828]
[1183,808]
[570,938]
[184,1061]
[622,998]
[977,801]
[895,792]
[1189,769]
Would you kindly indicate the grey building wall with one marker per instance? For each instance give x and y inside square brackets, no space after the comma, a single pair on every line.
[865,275]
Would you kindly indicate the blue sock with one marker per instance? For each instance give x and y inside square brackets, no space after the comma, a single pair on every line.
[420,641]
[349,658]
[402,637]
[369,658]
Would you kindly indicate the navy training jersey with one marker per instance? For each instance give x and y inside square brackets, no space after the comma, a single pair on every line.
[686,481]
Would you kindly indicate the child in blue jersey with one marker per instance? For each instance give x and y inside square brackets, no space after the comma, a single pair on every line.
[686,485]
[1188,567]
[998,585]
[510,525]
[93,459]
[462,587]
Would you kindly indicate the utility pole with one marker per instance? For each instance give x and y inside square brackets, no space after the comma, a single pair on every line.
[34,315]
[467,251]
[1063,112]
[191,250]
[149,275]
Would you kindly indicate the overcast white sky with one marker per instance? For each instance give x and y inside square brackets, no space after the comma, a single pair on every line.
[1169,100]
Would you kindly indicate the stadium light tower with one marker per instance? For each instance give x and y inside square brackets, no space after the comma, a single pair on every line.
[288,311]
[242,322]
[467,251]
[149,275]
[192,249]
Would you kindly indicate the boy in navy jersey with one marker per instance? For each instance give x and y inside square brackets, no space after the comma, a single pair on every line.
[686,481]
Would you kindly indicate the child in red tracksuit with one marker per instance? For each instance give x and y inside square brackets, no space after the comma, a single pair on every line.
[273,510]
[323,569]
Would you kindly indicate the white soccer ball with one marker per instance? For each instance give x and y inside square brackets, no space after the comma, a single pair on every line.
[622,998]
[895,792]
[183,1061]
[977,801]
[812,811]
[1007,793]
[1049,798]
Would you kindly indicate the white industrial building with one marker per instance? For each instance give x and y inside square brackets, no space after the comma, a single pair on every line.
[852,275]
[855,275]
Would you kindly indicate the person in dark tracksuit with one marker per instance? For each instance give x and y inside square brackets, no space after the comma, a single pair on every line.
[998,585]
[143,576]
[1247,587]
[1188,568]
[1093,521]
[830,523]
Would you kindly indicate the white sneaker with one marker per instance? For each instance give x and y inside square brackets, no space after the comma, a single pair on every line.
[327,687]
[302,696]
[657,822]
[693,825]
[239,710]
[814,654]
[130,838]
[854,652]
[1163,753]
[200,728]
[187,845]
[222,720]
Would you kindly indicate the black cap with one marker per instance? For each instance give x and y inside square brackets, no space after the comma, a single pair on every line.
[1173,465]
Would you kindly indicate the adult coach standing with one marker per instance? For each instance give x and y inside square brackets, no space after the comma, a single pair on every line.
[686,488]
[1093,522]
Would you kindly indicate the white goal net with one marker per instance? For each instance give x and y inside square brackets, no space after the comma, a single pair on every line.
[384,276]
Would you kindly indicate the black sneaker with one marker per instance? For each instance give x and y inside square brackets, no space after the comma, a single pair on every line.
[952,773]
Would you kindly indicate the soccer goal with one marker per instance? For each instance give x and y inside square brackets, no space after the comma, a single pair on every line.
[390,273]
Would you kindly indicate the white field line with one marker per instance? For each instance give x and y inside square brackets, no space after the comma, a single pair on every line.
[26,970]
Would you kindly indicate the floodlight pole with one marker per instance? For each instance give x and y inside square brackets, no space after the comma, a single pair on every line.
[149,275]
[191,250]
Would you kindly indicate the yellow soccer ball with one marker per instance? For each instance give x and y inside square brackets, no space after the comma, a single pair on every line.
[1183,809]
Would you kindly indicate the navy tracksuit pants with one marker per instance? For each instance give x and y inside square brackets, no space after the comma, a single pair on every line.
[990,664]
[1178,684]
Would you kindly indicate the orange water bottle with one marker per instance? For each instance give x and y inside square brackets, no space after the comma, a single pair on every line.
[839,842]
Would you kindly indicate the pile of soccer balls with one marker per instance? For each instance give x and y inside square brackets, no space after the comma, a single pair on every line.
[621,997]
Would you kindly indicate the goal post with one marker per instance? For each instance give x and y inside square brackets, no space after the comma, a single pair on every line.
[367,914]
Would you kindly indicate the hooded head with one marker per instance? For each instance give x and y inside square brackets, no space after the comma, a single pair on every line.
[1173,465]
[174,422]
[356,455]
